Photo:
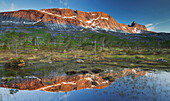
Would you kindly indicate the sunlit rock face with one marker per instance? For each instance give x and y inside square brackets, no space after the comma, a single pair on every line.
[69,83]
[68,19]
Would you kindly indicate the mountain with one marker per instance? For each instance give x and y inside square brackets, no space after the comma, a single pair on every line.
[68,19]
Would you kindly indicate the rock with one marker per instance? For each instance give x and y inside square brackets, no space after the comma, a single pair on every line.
[79,61]
[109,60]
[83,67]
[94,62]
[50,62]
[136,25]
[162,60]
[36,49]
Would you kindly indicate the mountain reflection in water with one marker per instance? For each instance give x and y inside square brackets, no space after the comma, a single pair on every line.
[69,83]
[128,85]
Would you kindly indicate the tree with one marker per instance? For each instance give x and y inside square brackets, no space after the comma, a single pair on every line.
[27,43]
[48,39]
[71,45]
[60,40]
[67,41]
[94,36]
[35,41]
[6,39]
[22,37]
[15,40]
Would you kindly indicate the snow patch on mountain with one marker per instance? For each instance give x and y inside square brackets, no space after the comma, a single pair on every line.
[90,21]
[104,18]
[124,27]
[65,17]
[135,30]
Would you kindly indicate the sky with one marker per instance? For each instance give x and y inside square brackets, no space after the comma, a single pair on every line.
[154,14]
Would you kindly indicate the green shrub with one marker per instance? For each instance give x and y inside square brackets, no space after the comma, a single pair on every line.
[14,63]
[97,70]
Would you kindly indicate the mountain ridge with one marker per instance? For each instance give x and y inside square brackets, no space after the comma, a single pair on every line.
[68,19]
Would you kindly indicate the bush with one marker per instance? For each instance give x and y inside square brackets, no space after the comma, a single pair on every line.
[71,72]
[16,63]
[84,72]
[97,70]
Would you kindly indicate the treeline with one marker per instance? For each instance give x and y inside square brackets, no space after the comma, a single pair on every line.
[70,42]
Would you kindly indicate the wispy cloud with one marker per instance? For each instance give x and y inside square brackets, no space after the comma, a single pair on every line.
[12,6]
[151,27]
[148,25]
[60,2]
[66,3]
[3,6]
[63,2]
[51,1]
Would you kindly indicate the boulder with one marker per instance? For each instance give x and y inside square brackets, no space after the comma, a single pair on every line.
[79,61]
[162,60]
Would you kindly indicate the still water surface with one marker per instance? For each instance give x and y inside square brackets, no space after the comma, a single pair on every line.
[153,86]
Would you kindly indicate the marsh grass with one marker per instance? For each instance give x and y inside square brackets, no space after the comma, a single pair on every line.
[49,63]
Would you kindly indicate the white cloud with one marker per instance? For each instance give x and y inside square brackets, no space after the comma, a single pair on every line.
[51,1]
[151,28]
[3,6]
[6,6]
[148,25]
[60,2]
[162,22]
[63,2]
[66,3]
[12,6]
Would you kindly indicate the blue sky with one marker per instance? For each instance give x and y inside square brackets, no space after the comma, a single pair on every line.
[155,14]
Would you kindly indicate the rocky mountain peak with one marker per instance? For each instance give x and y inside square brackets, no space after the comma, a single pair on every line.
[68,19]
[133,23]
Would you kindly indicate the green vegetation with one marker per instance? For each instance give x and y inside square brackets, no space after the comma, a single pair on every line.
[97,70]
[99,52]
[16,63]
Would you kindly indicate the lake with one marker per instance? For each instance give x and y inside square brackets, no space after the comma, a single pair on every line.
[131,85]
